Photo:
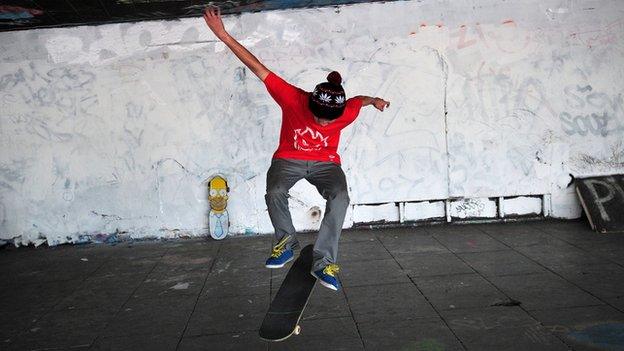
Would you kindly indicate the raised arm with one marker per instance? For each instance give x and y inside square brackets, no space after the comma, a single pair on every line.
[379,103]
[212,15]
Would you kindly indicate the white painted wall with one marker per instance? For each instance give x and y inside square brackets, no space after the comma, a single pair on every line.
[117,127]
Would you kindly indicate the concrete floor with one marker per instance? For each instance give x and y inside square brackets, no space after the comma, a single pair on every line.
[527,286]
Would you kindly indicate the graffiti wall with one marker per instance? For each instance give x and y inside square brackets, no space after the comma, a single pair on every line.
[116,128]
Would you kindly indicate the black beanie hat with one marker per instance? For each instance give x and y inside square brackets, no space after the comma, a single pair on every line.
[328,101]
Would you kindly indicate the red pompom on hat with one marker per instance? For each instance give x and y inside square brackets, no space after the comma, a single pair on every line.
[334,78]
[328,100]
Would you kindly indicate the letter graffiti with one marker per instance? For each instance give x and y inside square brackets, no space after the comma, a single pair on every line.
[611,187]
[597,114]
[585,124]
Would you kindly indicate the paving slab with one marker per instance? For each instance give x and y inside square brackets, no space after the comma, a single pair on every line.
[617,303]
[53,271]
[585,328]
[126,266]
[544,291]
[604,281]
[369,250]
[427,334]
[15,322]
[459,291]
[205,245]
[188,260]
[222,315]
[469,242]
[355,235]
[571,227]
[35,296]
[518,234]
[560,255]
[261,243]
[534,338]
[64,329]
[155,316]
[390,301]
[360,273]
[323,334]
[239,341]
[136,342]
[608,252]
[237,282]
[114,283]
[158,284]
[90,296]
[235,259]
[497,263]
[488,318]
[432,264]
[578,233]
[133,250]
[410,241]
[453,229]
[500,328]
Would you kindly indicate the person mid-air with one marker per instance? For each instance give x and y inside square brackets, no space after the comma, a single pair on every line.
[308,144]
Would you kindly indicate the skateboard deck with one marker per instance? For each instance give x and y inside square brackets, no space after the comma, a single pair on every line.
[282,319]
[218,217]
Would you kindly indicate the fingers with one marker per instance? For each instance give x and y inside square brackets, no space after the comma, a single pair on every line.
[212,12]
[212,16]
[381,104]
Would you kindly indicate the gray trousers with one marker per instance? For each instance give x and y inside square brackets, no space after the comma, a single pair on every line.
[329,180]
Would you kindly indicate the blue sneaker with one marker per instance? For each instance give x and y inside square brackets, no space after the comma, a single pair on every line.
[327,276]
[280,255]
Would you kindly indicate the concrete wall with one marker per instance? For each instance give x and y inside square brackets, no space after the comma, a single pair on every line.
[116,128]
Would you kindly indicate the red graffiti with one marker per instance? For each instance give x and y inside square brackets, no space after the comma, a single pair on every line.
[600,36]
[7,9]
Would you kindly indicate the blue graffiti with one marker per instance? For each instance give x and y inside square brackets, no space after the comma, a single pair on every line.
[609,336]
[15,15]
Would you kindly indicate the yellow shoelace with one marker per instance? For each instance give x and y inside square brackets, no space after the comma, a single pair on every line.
[331,269]
[280,247]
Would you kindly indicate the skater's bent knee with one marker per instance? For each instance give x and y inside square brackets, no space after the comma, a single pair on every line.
[341,196]
[276,192]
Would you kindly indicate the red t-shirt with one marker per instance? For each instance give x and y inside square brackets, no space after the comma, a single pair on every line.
[301,138]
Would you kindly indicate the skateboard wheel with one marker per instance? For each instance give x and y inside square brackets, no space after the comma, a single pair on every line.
[297,330]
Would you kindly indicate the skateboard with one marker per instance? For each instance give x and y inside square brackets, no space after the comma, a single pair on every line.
[218,217]
[282,319]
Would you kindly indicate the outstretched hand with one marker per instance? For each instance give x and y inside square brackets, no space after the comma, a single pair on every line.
[212,16]
[380,104]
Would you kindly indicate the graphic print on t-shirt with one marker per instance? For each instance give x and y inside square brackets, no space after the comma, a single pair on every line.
[309,140]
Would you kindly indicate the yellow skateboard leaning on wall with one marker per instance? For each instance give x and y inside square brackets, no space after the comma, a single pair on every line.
[218,218]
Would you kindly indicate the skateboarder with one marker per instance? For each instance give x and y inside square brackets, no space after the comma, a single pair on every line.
[310,132]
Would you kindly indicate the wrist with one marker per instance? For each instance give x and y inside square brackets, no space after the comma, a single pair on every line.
[223,36]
